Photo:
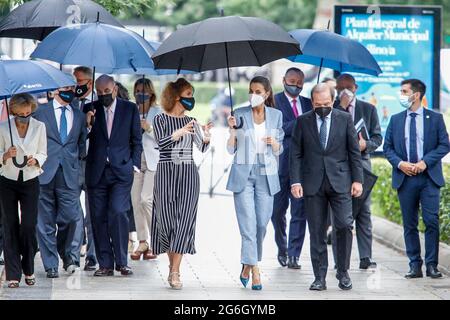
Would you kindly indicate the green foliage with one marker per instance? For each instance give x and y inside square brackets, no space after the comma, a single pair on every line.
[385,202]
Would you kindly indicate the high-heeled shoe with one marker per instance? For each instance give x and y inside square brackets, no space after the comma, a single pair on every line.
[256,286]
[31,281]
[175,284]
[244,281]
[140,251]
[148,255]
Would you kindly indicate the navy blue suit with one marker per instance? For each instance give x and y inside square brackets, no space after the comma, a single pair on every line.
[297,226]
[109,177]
[422,189]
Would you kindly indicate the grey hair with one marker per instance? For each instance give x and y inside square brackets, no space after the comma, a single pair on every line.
[322,87]
[85,70]
[104,78]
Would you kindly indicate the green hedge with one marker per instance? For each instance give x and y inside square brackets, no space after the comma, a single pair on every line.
[385,201]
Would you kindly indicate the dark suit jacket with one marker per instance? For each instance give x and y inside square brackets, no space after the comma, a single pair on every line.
[69,153]
[340,161]
[369,113]
[283,104]
[435,146]
[123,149]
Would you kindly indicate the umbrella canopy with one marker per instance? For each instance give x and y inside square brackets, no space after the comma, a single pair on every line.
[99,45]
[38,18]
[331,50]
[26,76]
[223,42]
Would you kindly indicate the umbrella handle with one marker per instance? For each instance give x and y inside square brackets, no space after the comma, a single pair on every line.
[241,122]
[20,165]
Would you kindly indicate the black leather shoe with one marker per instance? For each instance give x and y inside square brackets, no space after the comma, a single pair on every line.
[345,283]
[293,263]
[89,265]
[2,262]
[282,259]
[52,273]
[433,272]
[319,284]
[367,263]
[414,273]
[124,270]
[103,272]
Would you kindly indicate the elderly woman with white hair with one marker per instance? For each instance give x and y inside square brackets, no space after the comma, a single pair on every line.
[21,186]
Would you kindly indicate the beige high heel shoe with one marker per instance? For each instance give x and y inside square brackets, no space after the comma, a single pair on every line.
[175,284]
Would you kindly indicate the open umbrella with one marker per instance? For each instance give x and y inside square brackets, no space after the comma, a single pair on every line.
[330,50]
[225,42]
[25,76]
[38,18]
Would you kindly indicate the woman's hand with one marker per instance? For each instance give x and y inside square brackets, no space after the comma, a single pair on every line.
[145,125]
[207,134]
[187,129]
[271,141]
[232,122]
[11,153]
[31,161]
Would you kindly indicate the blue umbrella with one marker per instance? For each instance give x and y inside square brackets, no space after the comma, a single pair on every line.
[331,50]
[25,76]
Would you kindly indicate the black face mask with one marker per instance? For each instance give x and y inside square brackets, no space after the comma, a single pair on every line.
[67,96]
[81,90]
[188,103]
[322,111]
[293,90]
[106,99]
[23,119]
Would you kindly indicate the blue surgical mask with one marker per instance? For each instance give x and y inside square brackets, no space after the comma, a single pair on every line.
[141,98]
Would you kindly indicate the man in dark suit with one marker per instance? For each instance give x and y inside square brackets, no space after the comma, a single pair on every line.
[59,213]
[416,141]
[115,147]
[325,167]
[291,105]
[346,87]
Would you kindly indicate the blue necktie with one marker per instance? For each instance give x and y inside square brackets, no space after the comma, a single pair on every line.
[413,158]
[323,133]
[63,125]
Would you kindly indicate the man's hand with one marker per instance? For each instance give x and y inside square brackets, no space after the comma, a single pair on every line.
[345,101]
[362,143]
[297,191]
[357,189]
[407,168]
[89,116]
[420,167]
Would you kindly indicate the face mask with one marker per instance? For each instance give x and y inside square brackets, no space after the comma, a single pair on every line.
[49,97]
[404,101]
[67,96]
[292,90]
[141,98]
[23,119]
[188,103]
[106,99]
[322,111]
[81,90]
[256,100]
[348,93]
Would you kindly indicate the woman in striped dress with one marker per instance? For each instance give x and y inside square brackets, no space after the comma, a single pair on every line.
[177,182]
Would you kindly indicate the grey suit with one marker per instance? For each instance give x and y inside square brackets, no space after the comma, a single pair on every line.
[362,218]
[326,177]
[59,211]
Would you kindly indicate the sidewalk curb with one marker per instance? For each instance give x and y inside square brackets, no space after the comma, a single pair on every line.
[391,235]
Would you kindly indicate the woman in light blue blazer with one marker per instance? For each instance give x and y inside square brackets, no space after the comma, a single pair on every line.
[254,174]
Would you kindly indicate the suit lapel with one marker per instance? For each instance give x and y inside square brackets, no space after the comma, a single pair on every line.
[100,119]
[52,121]
[30,132]
[313,127]
[117,115]
[74,129]
[287,106]
[426,128]
[333,129]
[402,133]
[358,112]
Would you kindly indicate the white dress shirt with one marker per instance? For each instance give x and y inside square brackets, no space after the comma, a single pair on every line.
[260,133]
[299,104]
[419,132]
[69,115]
[319,123]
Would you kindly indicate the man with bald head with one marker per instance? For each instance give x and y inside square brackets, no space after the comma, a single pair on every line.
[292,105]
[115,147]
[325,168]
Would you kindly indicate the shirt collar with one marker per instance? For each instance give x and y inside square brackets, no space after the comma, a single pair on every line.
[418,111]
[290,98]
[57,105]
[113,106]
[353,103]
[327,117]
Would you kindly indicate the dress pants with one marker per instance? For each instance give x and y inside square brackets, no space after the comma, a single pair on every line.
[292,245]
[415,191]
[142,200]
[58,219]
[20,243]
[317,212]
[253,209]
[109,202]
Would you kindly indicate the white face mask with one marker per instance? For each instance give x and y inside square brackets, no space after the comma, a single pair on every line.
[404,101]
[256,100]
[348,93]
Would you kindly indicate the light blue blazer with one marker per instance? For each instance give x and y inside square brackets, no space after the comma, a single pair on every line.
[245,150]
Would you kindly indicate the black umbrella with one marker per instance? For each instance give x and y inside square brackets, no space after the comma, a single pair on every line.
[38,18]
[225,42]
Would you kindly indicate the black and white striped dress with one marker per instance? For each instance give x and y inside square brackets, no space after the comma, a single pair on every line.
[177,187]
